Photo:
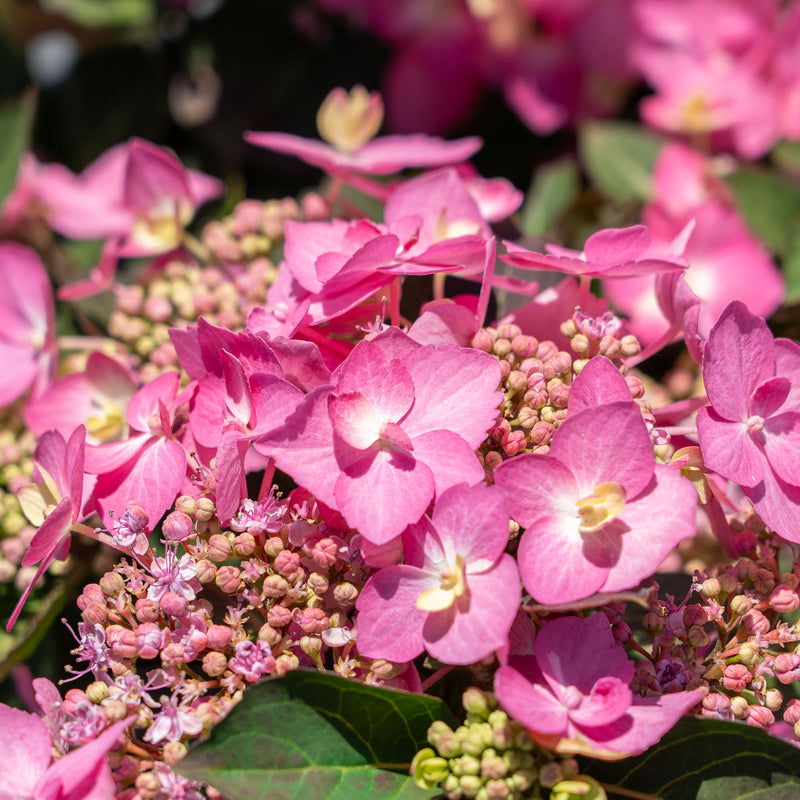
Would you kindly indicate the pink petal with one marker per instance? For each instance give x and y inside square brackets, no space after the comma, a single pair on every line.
[782,444]
[769,396]
[778,504]
[617,245]
[25,751]
[144,404]
[729,449]
[230,474]
[354,419]
[598,383]
[274,399]
[389,622]
[529,703]
[608,700]
[482,627]
[738,358]
[449,457]
[380,496]
[237,389]
[50,535]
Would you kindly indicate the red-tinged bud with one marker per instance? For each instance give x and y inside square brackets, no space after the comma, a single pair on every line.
[229,579]
[653,623]
[740,605]
[508,330]
[755,622]
[95,613]
[760,717]
[268,634]
[791,714]
[727,583]
[219,636]
[275,587]
[492,460]
[787,667]
[244,545]
[150,638]
[325,553]
[318,584]
[764,581]
[92,593]
[287,562]
[517,382]
[484,340]
[286,662]
[736,677]
[746,569]
[710,588]
[311,620]
[717,706]
[696,636]
[514,443]
[173,655]
[523,346]
[187,504]
[784,599]
[541,433]
[694,615]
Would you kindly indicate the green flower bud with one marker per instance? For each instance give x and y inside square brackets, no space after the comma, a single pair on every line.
[470,785]
[428,769]
[476,703]
[582,787]
[465,765]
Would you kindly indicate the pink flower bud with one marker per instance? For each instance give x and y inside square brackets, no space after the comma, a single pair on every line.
[755,622]
[172,655]
[279,616]
[523,346]
[287,563]
[219,547]
[787,667]
[736,677]
[717,706]
[791,714]
[206,570]
[311,620]
[784,599]
[173,605]
[214,664]
[345,594]
[147,610]
[325,553]
[150,638]
[694,615]
[112,583]
[177,526]
[219,636]
[483,340]
[760,717]
[244,544]
[229,579]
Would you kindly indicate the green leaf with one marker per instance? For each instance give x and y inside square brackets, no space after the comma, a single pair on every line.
[787,156]
[315,736]
[782,788]
[16,121]
[694,753]
[553,190]
[791,263]
[769,203]
[619,157]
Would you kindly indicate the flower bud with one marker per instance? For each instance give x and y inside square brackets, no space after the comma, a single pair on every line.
[219,548]
[244,545]
[173,604]
[760,717]
[787,667]
[739,707]
[97,692]
[740,605]
[428,769]
[206,571]
[229,579]
[784,599]
[214,663]
[112,583]
[219,636]
[177,526]
[736,677]
[476,702]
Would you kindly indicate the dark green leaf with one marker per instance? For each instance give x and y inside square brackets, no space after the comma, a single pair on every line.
[553,190]
[769,203]
[619,157]
[316,736]
[15,130]
[749,789]
[697,751]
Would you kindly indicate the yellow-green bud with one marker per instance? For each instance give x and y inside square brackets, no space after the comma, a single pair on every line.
[581,787]
[428,769]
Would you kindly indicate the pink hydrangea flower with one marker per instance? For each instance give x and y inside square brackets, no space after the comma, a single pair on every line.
[457,594]
[573,693]
[26,752]
[27,341]
[599,514]
[751,432]
[398,425]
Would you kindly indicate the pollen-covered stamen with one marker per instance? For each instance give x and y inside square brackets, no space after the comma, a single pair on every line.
[755,424]
[452,584]
[107,425]
[601,507]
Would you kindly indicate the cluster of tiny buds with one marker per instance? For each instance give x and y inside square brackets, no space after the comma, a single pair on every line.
[177,296]
[255,227]
[492,757]
[734,640]
[599,336]
[535,382]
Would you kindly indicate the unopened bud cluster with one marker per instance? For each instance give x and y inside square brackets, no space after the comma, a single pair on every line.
[734,639]
[489,757]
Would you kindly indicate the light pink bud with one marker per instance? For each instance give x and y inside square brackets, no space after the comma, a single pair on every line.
[755,622]
[173,604]
[736,677]
[219,636]
[229,579]
[214,664]
[325,553]
[784,599]
[760,717]
[524,346]
[150,639]
[92,593]
[177,526]
[717,706]
[287,563]
[345,594]
[275,586]
[219,547]
[286,662]
[318,584]
[791,714]
[787,667]
[206,570]
[514,443]
[740,708]
[172,655]
[244,544]
[483,340]
[542,432]
[147,610]
[95,613]
[187,504]
[73,699]
[740,605]
[112,583]
[773,699]
[311,620]
[279,616]
[501,348]
[269,634]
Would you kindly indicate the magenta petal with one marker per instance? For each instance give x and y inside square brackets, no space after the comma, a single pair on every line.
[382,495]
[739,357]
[729,449]
[769,396]
[529,703]
[778,504]
[617,245]
[389,622]
[50,535]
[608,443]
[144,404]
[274,399]
[480,625]
[230,474]
[237,390]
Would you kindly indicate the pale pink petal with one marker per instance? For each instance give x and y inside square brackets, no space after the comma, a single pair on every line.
[354,419]
[738,357]
[114,455]
[230,474]
[598,383]
[782,445]
[25,751]
[383,494]
[778,504]
[617,245]
[608,700]
[482,627]
[389,622]
[274,399]
[608,443]
[51,534]
[449,457]
[529,703]
[444,322]
[237,390]
[729,449]
[144,404]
